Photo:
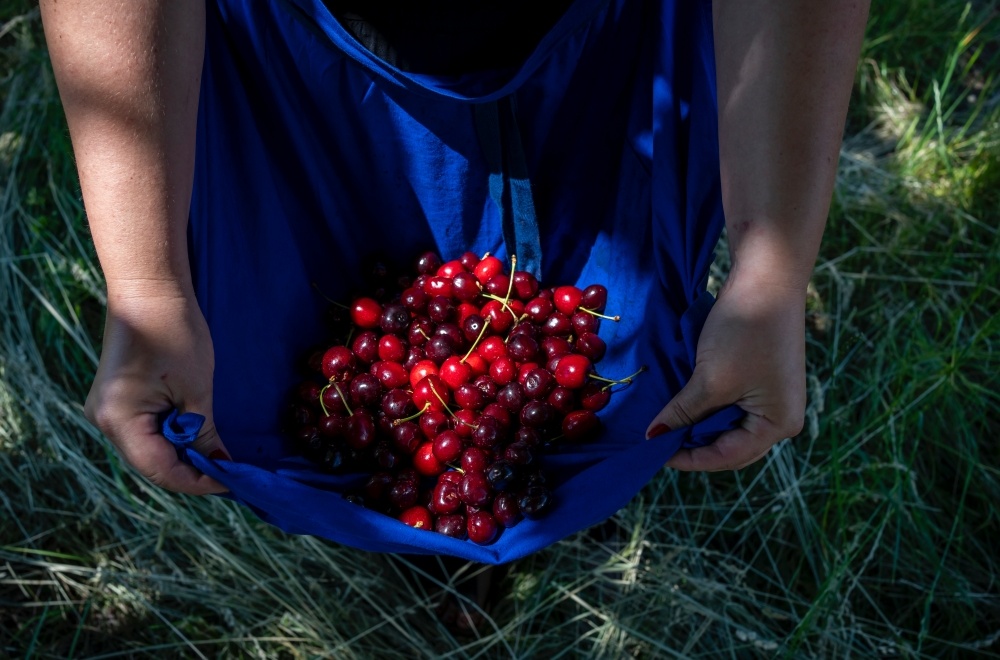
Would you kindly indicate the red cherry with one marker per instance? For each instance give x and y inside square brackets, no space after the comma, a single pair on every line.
[392,349]
[488,268]
[573,370]
[469,260]
[425,462]
[524,369]
[366,313]
[538,309]
[498,285]
[422,370]
[444,497]
[465,422]
[439,286]
[390,374]
[432,393]
[478,365]
[594,297]
[466,286]
[464,311]
[428,263]
[500,318]
[417,517]
[580,425]
[503,371]
[450,269]
[525,285]
[448,446]
[505,510]
[454,372]
[475,459]
[594,397]
[590,345]
[492,348]
[475,490]
[452,525]
[567,299]
[365,346]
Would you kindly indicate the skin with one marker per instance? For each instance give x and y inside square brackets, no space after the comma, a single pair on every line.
[785,70]
[128,73]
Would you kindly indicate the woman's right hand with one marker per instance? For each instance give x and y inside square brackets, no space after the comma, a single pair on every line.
[157,355]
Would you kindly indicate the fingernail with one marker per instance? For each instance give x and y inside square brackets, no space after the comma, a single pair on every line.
[218,454]
[659,429]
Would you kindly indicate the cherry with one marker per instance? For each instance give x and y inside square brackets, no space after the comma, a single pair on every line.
[397,404]
[594,397]
[447,446]
[390,374]
[465,310]
[475,459]
[535,502]
[333,400]
[404,494]
[425,462]
[439,348]
[407,438]
[360,429]
[567,299]
[417,517]
[395,319]
[440,309]
[433,422]
[538,309]
[366,313]
[487,268]
[525,285]
[465,422]
[498,285]
[453,333]
[466,287]
[392,349]
[537,414]
[472,327]
[478,365]
[377,486]
[503,371]
[455,373]
[499,413]
[385,457]
[422,370]
[338,363]
[502,475]
[366,390]
[527,436]
[445,497]
[511,397]
[431,393]
[415,356]
[428,263]
[450,269]
[492,349]
[469,260]
[421,330]
[309,393]
[487,386]
[538,383]
[522,348]
[506,512]
[594,297]
[580,425]
[332,426]
[500,317]
[439,286]
[414,299]
[481,527]
[573,370]
[583,322]
[452,525]
[487,433]
[475,489]
[469,396]
[591,346]
[557,324]
[520,453]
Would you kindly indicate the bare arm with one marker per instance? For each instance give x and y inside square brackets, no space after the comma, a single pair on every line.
[785,71]
[128,73]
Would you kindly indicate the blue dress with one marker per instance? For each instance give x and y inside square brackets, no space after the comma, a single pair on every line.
[313,153]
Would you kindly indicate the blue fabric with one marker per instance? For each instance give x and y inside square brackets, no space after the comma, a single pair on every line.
[312,153]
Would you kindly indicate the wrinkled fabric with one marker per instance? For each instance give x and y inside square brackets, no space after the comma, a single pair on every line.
[313,154]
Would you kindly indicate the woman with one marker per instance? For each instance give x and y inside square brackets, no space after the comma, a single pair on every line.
[390,135]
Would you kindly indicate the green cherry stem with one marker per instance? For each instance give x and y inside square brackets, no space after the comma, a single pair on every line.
[342,397]
[614,318]
[623,381]
[397,422]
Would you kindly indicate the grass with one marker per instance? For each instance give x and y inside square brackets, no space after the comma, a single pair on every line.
[873,533]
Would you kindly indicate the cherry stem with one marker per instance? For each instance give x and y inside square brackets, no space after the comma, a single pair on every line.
[326,413]
[504,304]
[421,331]
[623,381]
[397,422]
[457,468]
[614,318]
[342,397]
[482,332]
[441,400]
[510,282]
[328,298]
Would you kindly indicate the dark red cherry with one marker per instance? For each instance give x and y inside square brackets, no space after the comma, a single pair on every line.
[538,309]
[535,501]
[452,525]
[440,310]
[475,489]
[397,403]
[472,326]
[414,299]
[366,389]
[406,437]
[522,348]
[580,426]
[481,527]
[506,512]
[338,363]
[538,383]
[537,415]
[360,431]
[404,494]
[448,446]
[594,297]
[445,498]
[466,287]
[428,263]
[583,322]
[591,346]
[469,260]
[498,285]
[594,397]
[557,324]
[525,285]
[475,459]
[425,462]
[469,397]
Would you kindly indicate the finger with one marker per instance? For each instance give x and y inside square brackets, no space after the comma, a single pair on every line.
[693,403]
[208,443]
[145,448]
[732,450]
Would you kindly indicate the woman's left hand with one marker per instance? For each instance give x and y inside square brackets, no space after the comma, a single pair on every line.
[751,353]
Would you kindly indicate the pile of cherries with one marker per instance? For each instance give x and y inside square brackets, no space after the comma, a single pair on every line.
[450,385]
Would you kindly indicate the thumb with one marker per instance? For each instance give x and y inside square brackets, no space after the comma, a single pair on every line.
[208,443]
[693,403]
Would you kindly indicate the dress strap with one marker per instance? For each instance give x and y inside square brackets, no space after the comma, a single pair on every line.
[510,187]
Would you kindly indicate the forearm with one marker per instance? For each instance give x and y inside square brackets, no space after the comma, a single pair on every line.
[129,74]
[785,72]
